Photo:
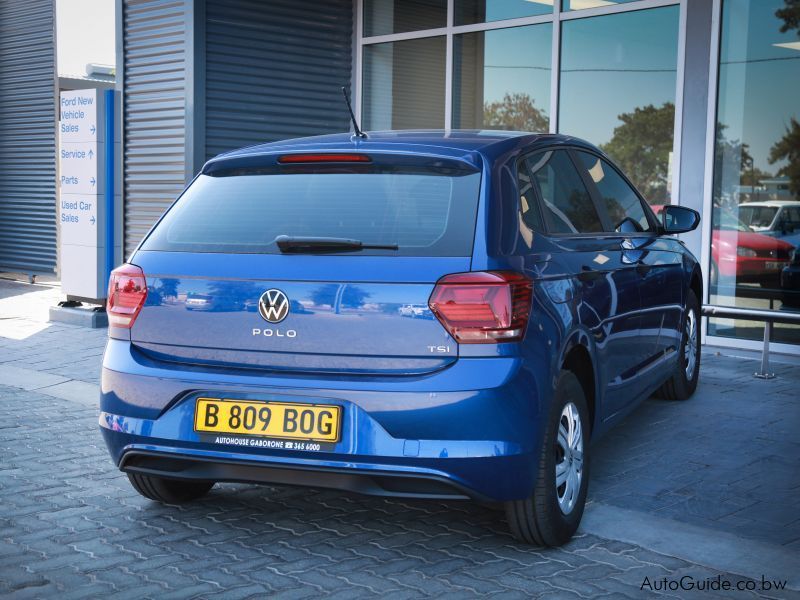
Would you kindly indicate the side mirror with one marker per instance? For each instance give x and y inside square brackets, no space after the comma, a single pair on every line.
[679,219]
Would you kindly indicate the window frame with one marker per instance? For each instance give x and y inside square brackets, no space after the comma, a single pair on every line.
[555,19]
[522,162]
[594,194]
[655,225]
[525,155]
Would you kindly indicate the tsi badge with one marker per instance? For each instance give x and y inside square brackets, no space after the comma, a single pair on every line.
[273,306]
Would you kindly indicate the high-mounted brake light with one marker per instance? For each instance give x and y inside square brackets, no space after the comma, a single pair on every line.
[486,307]
[322,158]
[127,291]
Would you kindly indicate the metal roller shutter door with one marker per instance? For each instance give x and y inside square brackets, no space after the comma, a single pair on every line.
[274,70]
[27,136]
[154,128]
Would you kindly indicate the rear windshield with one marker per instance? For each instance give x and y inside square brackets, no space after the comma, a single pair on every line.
[425,213]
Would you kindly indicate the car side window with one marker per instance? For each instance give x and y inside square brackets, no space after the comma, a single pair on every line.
[565,201]
[790,219]
[528,204]
[622,203]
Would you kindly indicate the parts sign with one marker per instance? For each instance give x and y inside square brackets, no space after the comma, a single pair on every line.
[80,183]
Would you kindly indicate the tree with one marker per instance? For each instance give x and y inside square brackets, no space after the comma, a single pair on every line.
[753,177]
[790,15]
[788,149]
[339,296]
[516,112]
[169,287]
[733,165]
[641,145]
[325,294]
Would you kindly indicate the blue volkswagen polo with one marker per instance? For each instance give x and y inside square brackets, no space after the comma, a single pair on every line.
[448,315]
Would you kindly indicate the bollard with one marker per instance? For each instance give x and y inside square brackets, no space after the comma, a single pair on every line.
[764,372]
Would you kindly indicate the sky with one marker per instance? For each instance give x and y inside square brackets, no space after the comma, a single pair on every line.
[84,34]
[759,87]
[613,65]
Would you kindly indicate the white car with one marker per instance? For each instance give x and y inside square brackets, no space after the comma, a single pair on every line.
[773,217]
[412,310]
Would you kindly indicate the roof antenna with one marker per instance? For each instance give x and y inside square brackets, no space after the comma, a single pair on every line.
[356,128]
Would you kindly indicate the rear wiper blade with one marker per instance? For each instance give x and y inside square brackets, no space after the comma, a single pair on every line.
[289,244]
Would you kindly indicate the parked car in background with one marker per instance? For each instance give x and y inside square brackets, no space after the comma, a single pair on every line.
[196,301]
[790,282]
[777,218]
[414,310]
[211,302]
[559,303]
[740,255]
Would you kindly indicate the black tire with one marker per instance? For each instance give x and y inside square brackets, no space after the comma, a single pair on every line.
[169,491]
[539,519]
[682,386]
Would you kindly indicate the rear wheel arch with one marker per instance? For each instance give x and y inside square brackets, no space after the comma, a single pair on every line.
[578,360]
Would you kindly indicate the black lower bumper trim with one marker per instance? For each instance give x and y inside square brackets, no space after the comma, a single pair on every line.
[378,483]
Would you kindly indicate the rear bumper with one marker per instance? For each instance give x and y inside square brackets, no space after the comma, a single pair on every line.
[373,481]
[472,430]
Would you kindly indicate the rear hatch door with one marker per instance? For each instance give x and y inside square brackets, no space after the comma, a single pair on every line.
[221,291]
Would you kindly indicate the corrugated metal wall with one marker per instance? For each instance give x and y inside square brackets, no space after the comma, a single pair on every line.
[154,126]
[27,136]
[274,70]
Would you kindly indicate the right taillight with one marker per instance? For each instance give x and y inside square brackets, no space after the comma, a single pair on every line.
[484,307]
[127,291]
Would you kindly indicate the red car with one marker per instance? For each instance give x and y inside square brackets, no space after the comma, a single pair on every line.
[740,255]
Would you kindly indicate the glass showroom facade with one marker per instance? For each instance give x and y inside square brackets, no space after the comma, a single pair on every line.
[614,72]
[755,197]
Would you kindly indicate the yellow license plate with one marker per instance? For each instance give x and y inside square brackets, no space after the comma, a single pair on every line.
[314,422]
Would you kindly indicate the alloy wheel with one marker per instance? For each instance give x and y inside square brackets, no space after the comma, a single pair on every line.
[569,458]
[690,350]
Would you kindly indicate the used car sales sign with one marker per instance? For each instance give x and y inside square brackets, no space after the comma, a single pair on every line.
[80,183]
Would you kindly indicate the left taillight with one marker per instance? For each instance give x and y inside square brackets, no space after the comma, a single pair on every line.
[485,307]
[127,291]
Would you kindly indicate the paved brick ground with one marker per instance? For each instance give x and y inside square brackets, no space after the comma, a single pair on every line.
[727,459]
[27,340]
[71,526]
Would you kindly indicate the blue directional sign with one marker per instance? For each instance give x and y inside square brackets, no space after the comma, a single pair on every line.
[81,193]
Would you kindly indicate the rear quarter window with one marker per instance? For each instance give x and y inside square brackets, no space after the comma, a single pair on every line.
[426,213]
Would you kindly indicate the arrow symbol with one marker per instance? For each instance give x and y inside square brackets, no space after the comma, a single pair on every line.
[92,129]
[91,154]
[92,220]
[92,181]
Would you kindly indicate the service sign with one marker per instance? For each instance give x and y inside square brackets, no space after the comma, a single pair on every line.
[81,156]
[78,173]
